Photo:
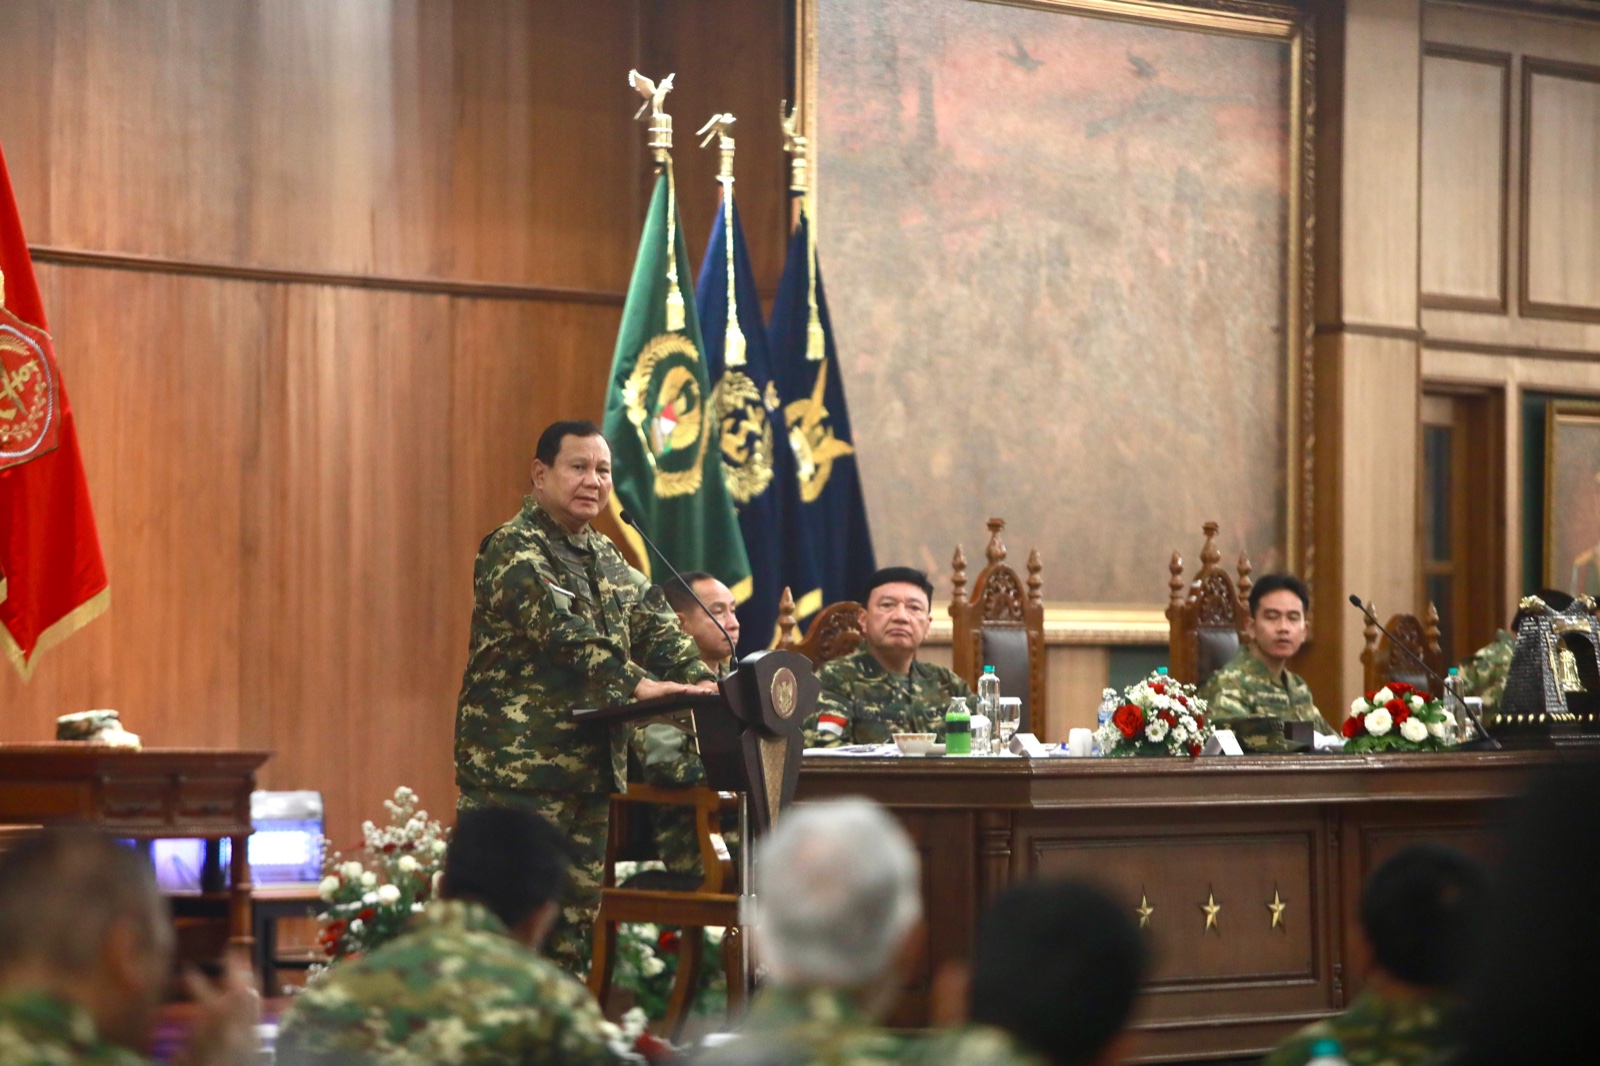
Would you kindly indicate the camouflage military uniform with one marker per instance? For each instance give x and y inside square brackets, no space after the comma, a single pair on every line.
[862,703]
[453,988]
[810,1027]
[662,753]
[977,1045]
[1374,1030]
[1485,673]
[37,1029]
[1242,688]
[559,621]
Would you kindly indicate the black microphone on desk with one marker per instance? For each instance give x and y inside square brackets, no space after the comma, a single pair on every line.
[733,654]
[1487,741]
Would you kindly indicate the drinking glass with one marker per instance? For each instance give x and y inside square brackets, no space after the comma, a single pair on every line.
[982,735]
[1007,719]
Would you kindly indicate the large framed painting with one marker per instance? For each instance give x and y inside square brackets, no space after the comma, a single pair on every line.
[1572,497]
[1066,245]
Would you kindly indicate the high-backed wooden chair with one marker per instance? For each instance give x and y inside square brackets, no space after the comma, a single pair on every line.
[1209,617]
[834,632]
[1001,624]
[1382,663]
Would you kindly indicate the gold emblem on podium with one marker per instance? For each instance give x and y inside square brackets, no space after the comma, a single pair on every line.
[785,692]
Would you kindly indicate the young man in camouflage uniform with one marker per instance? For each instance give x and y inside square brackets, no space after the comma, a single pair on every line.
[662,752]
[464,983]
[561,621]
[1417,912]
[1484,674]
[86,949]
[1257,681]
[881,688]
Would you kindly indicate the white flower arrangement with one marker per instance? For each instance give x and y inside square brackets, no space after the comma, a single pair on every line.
[1158,716]
[1398,717]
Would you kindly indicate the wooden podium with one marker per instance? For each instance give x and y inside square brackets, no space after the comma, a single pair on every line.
[748,734]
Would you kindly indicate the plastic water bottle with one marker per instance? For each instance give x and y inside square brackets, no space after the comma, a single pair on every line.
[1110,700]
[1327,1053]
[1455,705]
[989,695]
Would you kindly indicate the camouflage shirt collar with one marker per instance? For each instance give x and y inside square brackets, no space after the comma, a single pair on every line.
[534,512]
[52,1018]
[459,916]
[1250,663]
[868,664]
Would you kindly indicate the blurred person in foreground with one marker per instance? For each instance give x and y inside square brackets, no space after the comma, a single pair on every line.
[1052,982]
[839,902]
[1531,991]
[465,982]
[86,950]
[1418,913]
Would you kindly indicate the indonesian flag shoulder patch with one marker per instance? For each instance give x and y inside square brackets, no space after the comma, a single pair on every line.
[832,724]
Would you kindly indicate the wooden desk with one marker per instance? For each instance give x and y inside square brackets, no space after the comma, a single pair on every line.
[1171,835]
[145,795]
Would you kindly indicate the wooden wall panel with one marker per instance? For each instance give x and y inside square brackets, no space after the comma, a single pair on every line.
[1466,102]
[1561,180]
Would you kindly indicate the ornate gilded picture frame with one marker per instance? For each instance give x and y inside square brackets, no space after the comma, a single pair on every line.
[1066,246]
[1572,497]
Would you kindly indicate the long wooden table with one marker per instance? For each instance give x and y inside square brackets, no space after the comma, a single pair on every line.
[144,795]
[1274,849]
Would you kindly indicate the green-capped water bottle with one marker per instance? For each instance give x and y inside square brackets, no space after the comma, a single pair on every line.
[958,727]
[1327,1053]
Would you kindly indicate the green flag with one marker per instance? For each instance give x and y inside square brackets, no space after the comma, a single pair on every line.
[666,457]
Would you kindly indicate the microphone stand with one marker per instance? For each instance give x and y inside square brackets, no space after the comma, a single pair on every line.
[1486,743]
[733,654]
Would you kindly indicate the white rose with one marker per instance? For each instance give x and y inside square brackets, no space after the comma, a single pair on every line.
[1382,696]
[370,898]
[1156,731]
[328,887]
[407,863]
[438,847]
[1414,729]
[652,965]
[1436,729]
[417,908]
[1379,721]
[1416,703]
[356,926]
[350,871]
[1358,708]
[388,895]
[369,879]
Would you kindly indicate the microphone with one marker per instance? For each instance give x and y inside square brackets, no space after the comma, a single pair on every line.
[627,516]
[1488,741]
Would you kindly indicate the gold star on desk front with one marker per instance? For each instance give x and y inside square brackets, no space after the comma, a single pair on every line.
[1144,911]
[1277,907]
[1212,909]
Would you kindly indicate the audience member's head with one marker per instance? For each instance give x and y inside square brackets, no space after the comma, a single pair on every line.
[1279,607]
[1555,599]
[572,472]
[898,611]
[511,861]
[1419,911]
[1057,966]
[81,918]
[1538,967]
[839,895]
[697,620]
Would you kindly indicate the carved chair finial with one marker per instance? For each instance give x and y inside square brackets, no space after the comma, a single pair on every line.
[1175,584]
[1209,555]
[1245,584]
[1430,631]
[1035,582]
[786,619]
[996,551]
[958,576]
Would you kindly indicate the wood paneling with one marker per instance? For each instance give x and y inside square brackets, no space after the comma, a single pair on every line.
[366,252]
[1561,190]
[1466,114]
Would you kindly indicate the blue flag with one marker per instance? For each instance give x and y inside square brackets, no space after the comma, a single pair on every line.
[805,366]
[756,458]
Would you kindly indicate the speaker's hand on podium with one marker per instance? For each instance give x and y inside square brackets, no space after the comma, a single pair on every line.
[648,689]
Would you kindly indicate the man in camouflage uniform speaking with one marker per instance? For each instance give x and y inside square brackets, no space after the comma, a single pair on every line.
[881,689]
[1257,682]
[561,621]
[464,983]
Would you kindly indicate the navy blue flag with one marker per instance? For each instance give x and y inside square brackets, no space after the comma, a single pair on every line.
[757,462]
[805,366]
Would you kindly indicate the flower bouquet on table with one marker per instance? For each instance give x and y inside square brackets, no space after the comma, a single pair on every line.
[371,897]
[1158,716]
[1399,717]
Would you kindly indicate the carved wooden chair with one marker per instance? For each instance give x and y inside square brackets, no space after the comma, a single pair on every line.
[1209,617]
[1382,663]
[1001,624]
[834,633]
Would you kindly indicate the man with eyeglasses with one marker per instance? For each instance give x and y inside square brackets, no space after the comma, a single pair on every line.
[882,689]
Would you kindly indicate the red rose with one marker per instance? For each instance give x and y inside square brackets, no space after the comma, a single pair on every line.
[367,914]
[667,942]
[1398,710]
[1400,688]
[653,1048]
[1194,750]
[1129,720]
[1183,701]
[388,849]
[1200,720]
[1159,689]
[1352,726]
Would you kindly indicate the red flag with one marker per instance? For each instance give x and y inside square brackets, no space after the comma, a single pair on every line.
[52,576]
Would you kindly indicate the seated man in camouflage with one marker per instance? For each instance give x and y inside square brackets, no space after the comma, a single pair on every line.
[1417,912]
[881,688]
[464,983]
[1257,682]
[1484,674]
[662,752]
[839,896]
